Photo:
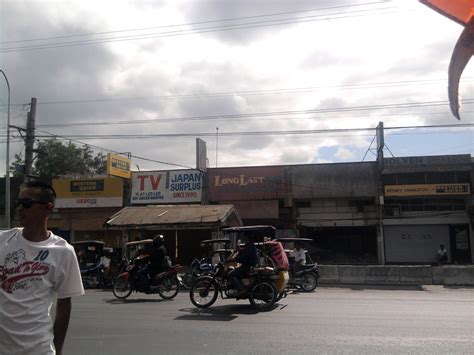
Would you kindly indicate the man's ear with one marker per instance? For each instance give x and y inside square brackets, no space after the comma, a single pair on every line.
[50,205]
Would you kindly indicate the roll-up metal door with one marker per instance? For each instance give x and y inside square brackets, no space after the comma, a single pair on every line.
[415,243]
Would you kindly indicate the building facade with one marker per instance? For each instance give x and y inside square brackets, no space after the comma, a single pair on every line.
[395,211]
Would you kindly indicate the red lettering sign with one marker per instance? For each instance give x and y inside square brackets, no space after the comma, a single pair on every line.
[155,181]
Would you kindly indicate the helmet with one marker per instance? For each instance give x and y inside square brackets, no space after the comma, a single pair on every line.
[158,240]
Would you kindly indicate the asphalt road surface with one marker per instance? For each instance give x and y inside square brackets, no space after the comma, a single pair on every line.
[332,320]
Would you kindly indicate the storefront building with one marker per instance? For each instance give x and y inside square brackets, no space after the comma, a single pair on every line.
[354,212]
[82,206]
[426,204]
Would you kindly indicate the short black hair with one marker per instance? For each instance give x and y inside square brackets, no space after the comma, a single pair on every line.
[47,193]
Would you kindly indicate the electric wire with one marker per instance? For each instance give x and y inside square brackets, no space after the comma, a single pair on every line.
[199,23]
[229,27]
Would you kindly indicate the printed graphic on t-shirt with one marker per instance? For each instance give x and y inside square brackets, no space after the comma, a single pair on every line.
[17,273]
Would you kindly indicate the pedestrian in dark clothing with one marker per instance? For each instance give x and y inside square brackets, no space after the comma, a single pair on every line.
[248,258]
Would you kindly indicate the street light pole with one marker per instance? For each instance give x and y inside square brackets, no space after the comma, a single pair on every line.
[7,169]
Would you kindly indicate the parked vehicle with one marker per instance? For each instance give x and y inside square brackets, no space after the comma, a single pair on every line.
[89,254]
[261,286]
[166,283]
[306,277]
[129,252]
[216,251]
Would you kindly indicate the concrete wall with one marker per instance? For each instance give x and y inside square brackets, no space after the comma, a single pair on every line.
[341,212]
[449,275]
[333,180]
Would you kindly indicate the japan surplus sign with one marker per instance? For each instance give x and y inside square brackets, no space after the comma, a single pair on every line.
[178,186]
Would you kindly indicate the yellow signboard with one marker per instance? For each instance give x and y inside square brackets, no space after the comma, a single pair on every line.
[427,190]
[118,165]
[76,193]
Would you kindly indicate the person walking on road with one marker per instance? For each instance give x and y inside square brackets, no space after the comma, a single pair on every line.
[36,267]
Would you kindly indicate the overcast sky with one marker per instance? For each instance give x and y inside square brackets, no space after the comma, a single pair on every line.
[188,67]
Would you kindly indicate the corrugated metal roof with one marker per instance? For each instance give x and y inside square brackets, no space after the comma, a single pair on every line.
[163,215]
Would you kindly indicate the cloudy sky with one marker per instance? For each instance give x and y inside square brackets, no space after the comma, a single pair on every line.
[166,72]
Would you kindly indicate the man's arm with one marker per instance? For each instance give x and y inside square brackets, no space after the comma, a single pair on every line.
[61,322]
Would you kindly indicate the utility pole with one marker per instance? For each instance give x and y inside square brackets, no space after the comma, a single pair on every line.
[380,195]
[30,139]
[7,160]
[217,143]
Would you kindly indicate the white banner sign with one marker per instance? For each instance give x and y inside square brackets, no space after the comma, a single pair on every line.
[179,186]
[82,202]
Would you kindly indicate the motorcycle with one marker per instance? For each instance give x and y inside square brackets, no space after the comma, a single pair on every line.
[89,253]
[261,286]
[198,268]
[217,251]
[306,278]
[93,276]
[166,283]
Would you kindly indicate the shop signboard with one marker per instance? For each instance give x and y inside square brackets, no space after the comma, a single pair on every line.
[247,183]
[166,187]
[118,165]
[84,193]
[460,162]
[427,190]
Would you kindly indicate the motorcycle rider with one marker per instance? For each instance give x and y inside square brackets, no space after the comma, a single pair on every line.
[248,258]
[300,258]
[157,261]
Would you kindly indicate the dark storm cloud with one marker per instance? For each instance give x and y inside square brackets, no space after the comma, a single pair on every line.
[211,10]
[71,73]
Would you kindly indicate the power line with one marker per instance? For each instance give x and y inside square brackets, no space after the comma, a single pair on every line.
[197,23]
[247,93]
[230,27]
[51,135]
[335,187]
[262,114]
[313,186]
[251,133]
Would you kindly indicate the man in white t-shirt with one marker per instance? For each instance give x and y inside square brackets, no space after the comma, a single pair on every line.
[300,257]
[35,267]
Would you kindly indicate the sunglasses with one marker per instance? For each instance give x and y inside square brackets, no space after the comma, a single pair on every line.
[28,202]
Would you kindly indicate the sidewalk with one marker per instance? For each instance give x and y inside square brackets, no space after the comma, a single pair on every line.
[405,275]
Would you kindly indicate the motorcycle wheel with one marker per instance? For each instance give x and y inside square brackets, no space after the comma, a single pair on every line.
[169,288]
[188,280]
[203,293]
[94,281]
[262,295]
[310,282]
[122,288]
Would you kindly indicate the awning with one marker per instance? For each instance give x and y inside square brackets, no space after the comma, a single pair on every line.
[174,216]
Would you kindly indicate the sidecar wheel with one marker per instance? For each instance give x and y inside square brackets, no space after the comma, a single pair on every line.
[262,295]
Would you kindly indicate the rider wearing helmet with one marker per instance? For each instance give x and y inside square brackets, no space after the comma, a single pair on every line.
[157,257]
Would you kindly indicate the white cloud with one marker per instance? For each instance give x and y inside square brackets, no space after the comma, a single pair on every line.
[337,63]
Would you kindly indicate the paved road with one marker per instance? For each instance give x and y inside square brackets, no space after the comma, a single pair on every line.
[432,320]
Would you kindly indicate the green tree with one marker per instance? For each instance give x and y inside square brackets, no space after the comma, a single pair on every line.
[54,158]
